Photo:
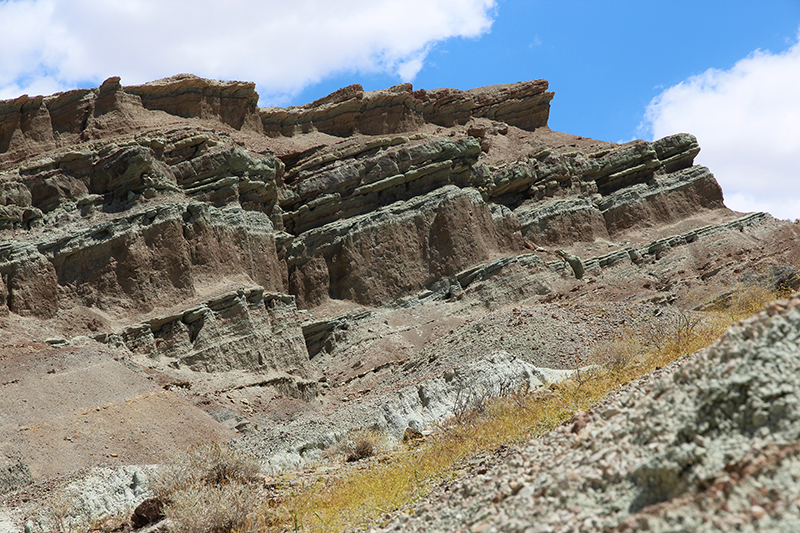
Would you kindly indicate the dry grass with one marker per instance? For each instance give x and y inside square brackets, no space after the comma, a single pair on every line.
[407,474]
[209,489]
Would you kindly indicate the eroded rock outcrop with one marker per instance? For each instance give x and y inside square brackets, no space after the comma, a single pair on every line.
[32,125]
[243,330]
[140,261]
[417,406]
[234,103]
[326,198]
[666,198]
[415,243]
[398,109]
[111,176]
[122,217]
[325,189]
[581,196]
[196,235]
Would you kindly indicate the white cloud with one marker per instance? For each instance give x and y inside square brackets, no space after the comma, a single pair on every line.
[747,120]
[51,45]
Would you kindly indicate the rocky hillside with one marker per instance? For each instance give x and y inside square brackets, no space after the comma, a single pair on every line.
[709,444]
[179,265]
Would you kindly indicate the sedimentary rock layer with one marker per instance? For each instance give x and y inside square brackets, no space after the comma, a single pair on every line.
[193,233]
[32,125]
[139,261]
[397,109]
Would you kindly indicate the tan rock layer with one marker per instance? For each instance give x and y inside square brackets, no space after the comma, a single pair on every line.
[139,262]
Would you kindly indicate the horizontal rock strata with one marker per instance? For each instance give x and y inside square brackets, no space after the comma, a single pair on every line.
[32,125]
[415,242]
[227,258]
[397,109]
[139,261]
[246,330]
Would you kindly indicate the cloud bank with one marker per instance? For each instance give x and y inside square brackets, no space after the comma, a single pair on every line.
[48,46]
[747,120]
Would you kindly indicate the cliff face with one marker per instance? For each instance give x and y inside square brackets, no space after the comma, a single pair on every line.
[177,227]
[311,222]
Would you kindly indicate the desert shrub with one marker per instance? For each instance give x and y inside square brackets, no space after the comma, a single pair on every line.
[60,517]
[747,300]
[469,404]
[212,509]
[619,352]
[208,464]
[209,489]
[362,450]
[362,444]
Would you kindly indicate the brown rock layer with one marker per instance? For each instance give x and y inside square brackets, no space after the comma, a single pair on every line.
[196,235]
[32,125]
[234,103]
[399,109]
[139,262]
[375,258]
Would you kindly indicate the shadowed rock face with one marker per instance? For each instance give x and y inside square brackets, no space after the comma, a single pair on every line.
[194,235]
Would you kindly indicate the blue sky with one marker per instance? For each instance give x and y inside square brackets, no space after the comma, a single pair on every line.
[728,71]
[605,60]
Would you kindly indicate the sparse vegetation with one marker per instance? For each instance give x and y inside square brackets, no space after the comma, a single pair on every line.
[62,512]
[362,444]
[209,489]
[59,506]
[407,474]
[469,403]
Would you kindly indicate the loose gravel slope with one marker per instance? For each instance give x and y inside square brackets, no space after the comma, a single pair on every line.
[712,443]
